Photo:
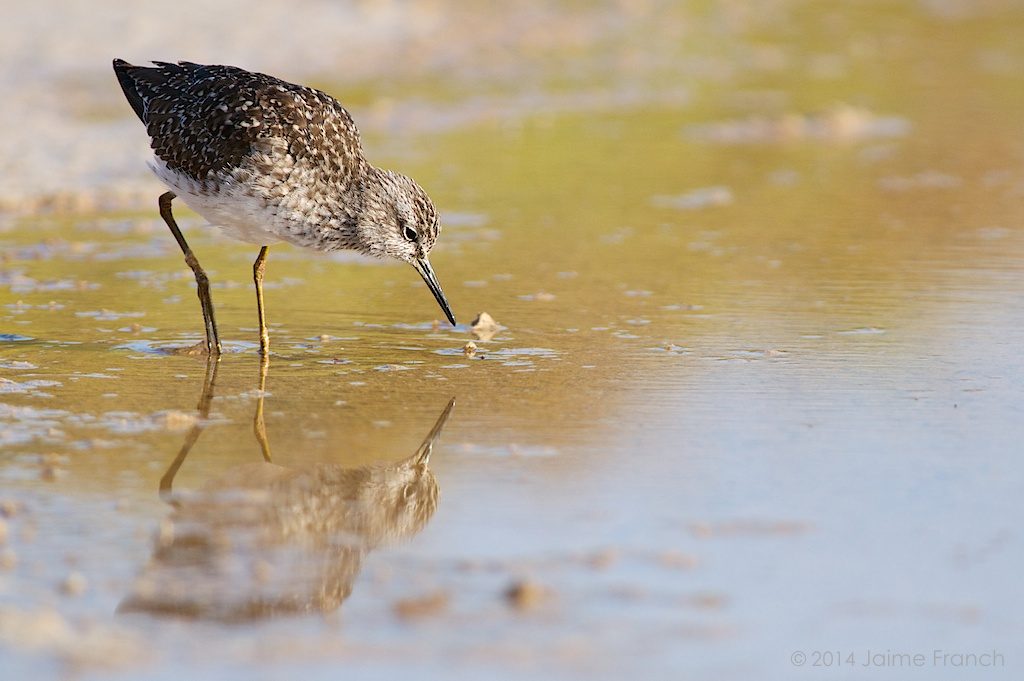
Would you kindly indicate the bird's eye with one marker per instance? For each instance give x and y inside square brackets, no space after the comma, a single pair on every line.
[409,233]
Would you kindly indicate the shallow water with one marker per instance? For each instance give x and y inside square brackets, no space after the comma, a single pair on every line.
[758,390]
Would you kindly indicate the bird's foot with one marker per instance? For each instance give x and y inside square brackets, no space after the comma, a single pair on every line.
[200,349]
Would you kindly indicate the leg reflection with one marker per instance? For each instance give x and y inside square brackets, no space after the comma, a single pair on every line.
[205,399]
[259,427]
[203,408]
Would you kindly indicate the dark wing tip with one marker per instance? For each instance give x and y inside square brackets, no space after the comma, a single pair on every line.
[131,88]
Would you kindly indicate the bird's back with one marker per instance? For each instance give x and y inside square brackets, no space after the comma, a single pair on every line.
[207,121]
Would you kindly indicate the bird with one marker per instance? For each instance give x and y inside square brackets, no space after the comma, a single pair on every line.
[268,161]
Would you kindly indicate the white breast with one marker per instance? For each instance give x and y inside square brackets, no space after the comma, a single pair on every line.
[237,213]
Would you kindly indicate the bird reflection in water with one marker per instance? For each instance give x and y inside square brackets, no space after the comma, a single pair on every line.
[264,540]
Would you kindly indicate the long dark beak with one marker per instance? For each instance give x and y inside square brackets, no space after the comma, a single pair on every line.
[427,272]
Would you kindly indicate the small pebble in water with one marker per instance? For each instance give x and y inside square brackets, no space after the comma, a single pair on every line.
[74,584]
[49,467]
[526,594]
[421,606]
[9,508]
[484,327]
[677,560]
[603,559]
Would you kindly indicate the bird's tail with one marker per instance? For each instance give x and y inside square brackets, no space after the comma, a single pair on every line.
[138,83]
[126,77]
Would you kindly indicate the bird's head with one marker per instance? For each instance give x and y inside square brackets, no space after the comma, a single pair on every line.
[398,220]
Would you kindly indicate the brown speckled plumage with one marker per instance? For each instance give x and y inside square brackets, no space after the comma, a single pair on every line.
[205,120]
[270,161]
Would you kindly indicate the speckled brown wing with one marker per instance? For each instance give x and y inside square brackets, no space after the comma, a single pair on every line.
[204,120]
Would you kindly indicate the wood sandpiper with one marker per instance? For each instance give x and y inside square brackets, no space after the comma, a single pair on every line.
[269,161]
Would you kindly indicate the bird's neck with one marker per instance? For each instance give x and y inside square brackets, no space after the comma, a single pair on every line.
[346,211]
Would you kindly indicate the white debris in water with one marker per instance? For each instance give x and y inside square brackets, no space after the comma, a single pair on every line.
[697,198]
[840,123]
[8,385]
[929,179]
